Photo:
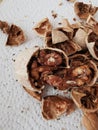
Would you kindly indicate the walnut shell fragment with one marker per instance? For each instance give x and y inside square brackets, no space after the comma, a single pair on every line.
[4,26]
[15,36]
[84,10]
[54,106]
[43,26]
[80,37]
[20,66]
[86,98]
[90,121]
[58,36]
[34,94]
[63,43]
[92,44]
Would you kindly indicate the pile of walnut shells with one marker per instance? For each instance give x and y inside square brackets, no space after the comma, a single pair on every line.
[67,62]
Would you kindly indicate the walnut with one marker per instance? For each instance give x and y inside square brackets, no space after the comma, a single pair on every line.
[44,62]
[55,106]
[84,10]
[56,81]
[15,36]
[90,121]
[83,71]
[52,59]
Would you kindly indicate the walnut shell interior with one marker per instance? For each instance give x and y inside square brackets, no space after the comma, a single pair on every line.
[43,26]
[54,106]
[16,36]
[86,98]
[84,10]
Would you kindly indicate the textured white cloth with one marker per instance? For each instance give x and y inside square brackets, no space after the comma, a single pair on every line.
[18,110]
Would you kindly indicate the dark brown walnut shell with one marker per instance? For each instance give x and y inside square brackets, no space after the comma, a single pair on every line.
[84,10]
[54,106]
[43,26]
[42,63]
[86,98]
[34,94]
[83,70]
[90,121]
[92,44]
[15,36]
[68,46]
[4,26]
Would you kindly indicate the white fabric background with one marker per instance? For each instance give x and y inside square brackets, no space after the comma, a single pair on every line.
[18,110]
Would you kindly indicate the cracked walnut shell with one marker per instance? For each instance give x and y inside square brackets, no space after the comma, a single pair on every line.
[15,36]
[86,98]
[54,106]
[43,26]
[84,10]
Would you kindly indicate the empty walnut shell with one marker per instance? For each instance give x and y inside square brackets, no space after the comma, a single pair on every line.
[54,106]
[15,36]
[80,37]
[86,98]
[83,71]
[84,10]
[43,26]
[90,121]
[92,44]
